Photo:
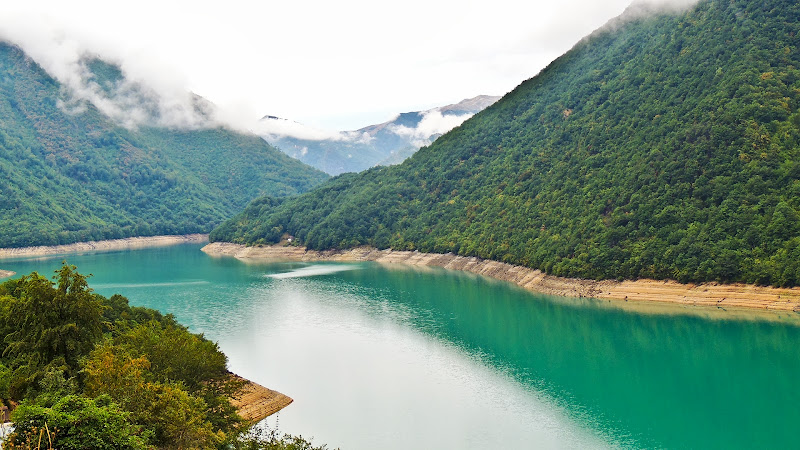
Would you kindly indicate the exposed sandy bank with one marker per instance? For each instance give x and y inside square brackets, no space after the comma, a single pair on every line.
[7,273]
[708,294]
[256,402]
[114,244]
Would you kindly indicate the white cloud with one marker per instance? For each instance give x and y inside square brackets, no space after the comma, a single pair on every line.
[139,99]
[272,128]
[433,123]
[336,65]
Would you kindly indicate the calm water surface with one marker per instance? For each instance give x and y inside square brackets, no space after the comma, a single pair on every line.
[388,357]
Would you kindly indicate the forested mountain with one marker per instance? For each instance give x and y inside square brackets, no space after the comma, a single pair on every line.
[68,173]
[382,144]
[665,145]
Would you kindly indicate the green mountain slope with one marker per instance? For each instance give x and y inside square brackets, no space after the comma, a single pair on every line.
[77,176]
[663,146]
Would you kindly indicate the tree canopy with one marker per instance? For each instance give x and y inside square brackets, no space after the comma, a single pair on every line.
[92,372]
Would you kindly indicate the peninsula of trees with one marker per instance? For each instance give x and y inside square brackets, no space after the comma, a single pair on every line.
[84,371]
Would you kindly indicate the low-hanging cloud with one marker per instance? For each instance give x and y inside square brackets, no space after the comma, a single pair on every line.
[272,128]
[247,69]
[137,99]
[433,123]
[639,9]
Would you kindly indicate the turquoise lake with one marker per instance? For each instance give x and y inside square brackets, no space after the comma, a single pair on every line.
[393,357]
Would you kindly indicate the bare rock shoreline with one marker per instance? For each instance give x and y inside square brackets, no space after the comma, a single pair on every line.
[255,402]
[113,244]
[735,295]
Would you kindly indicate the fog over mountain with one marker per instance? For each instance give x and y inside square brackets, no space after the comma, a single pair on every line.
[386,143]
[308,62]
[121,161]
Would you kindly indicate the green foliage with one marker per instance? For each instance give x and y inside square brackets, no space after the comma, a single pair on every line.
[50,325]
[662,146]
[172,417]
[74,422]
[68,176]
[149,381]
[270,439]
[119,317]
[176,354]
[149,361]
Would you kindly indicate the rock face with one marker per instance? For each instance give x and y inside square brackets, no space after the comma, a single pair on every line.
[706,294]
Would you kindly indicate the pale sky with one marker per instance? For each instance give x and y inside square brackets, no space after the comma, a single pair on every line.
[337,65]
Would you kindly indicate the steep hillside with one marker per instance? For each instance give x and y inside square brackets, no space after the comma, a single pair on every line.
[664,145]
[68,173]
[382,144]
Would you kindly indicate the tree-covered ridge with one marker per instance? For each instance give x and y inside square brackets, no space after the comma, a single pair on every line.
[664,146]
[69,174]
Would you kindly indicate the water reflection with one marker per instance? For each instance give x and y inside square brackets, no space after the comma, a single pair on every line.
[384,357]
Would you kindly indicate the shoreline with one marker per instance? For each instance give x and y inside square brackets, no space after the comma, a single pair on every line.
[255,403]
[736,295]
[112,244]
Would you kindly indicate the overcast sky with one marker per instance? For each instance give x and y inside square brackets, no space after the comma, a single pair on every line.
[338,65]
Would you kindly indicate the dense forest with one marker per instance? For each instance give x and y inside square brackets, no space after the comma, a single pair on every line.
[664,145]
[69,173]
[88,371]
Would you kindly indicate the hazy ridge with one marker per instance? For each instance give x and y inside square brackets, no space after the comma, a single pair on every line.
[383,144]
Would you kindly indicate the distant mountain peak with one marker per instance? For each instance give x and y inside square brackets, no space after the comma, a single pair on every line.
[473,105]
[268,117]
[385,143]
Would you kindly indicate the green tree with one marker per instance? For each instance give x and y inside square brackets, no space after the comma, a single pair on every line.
[174,417]
[52,325]
[74,422]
